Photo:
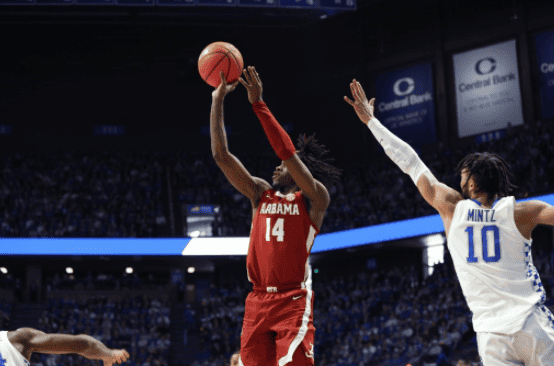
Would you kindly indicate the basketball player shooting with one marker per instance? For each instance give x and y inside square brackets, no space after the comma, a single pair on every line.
[489,239]
[16,347]
[278,319]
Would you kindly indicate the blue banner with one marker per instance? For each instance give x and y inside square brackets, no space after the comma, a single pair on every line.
[305,4]
[223,246]
[217,2]
[202,209]
[544,43]
[260,3]
[405,103]
[338,4]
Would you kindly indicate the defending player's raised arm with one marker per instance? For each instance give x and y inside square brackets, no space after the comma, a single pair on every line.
[538,213]
[437,194]
[34,340]
[282,144]
[235,172]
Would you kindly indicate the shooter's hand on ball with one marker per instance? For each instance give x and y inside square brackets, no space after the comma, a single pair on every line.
[363,108]
[223,89]
[253,84]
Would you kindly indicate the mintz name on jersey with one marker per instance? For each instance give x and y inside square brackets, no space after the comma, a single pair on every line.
[478,215]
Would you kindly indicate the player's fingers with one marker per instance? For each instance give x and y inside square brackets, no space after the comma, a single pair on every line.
[372,102]
[257,76]
[241,80]
[361,90]
[358,89]
[349,101]
[354,91]
[252,73]
[247,76]
[222,76]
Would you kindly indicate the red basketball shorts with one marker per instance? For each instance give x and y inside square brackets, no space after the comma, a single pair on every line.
[278,329]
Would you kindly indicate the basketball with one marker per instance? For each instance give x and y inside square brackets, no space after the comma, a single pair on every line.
[217,57]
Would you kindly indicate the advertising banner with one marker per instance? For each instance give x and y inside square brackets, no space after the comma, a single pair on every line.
[404,103]
[488,95]
[545,58]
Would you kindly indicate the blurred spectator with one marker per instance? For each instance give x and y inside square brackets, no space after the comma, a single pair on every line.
[101,194]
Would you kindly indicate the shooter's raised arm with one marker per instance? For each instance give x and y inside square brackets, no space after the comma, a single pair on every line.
[236,173]
[282,143]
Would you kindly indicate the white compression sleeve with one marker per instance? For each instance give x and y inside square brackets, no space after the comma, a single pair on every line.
[398,151]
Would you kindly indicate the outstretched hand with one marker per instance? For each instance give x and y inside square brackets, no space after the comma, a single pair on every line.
[223,89]
[116,356]
[253,84]
[363,108]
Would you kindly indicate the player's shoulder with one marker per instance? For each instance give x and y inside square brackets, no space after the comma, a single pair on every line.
[530,206]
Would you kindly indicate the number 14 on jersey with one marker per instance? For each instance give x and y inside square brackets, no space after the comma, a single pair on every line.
[278,229]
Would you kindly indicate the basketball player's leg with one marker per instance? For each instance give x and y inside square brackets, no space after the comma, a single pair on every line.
[497,349]
[257,349]
[295,349]
[296,332]
[535,342]
[257,341]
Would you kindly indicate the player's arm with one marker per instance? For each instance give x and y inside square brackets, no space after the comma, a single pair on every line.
[437,194]
[539,212]
[282,144]
[36,341]
[233,169]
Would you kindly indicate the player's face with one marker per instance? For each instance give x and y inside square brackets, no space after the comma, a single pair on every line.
[235,360]
[281,176]
[464,184]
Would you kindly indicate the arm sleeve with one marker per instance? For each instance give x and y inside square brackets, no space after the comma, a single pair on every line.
[278,138]
[398,151]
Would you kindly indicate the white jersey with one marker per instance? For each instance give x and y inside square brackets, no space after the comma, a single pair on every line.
[9,356]
[494,266]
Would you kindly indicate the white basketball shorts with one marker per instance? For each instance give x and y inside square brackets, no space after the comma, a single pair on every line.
[533,345]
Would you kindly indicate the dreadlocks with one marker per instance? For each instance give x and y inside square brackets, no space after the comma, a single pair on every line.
[313,155]
[490,173]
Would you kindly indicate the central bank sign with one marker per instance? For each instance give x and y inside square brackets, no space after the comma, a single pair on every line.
[544,45]
[405,103]
[488,96]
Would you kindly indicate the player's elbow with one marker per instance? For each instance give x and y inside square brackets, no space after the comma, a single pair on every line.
[220,157]
[82,344]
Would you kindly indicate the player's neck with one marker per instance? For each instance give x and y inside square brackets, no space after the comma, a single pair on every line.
[483,199]
[287,190]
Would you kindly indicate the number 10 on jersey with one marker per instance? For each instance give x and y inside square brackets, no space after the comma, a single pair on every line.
[278,229]
[485,243]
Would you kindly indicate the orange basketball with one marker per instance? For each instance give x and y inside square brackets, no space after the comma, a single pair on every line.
[217,57]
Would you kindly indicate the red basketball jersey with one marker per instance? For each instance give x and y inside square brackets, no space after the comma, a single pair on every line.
[280,241]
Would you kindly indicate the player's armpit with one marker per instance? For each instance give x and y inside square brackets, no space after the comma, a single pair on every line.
[240,178]
[441,197]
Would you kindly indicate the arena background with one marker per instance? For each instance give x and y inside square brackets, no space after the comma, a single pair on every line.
[103,122]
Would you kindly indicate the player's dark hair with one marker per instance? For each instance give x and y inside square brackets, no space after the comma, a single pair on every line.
[313,155]
[490,173]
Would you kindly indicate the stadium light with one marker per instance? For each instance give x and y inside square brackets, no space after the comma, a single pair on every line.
[191,270]
[4,270]
[129,270]
[69,270]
